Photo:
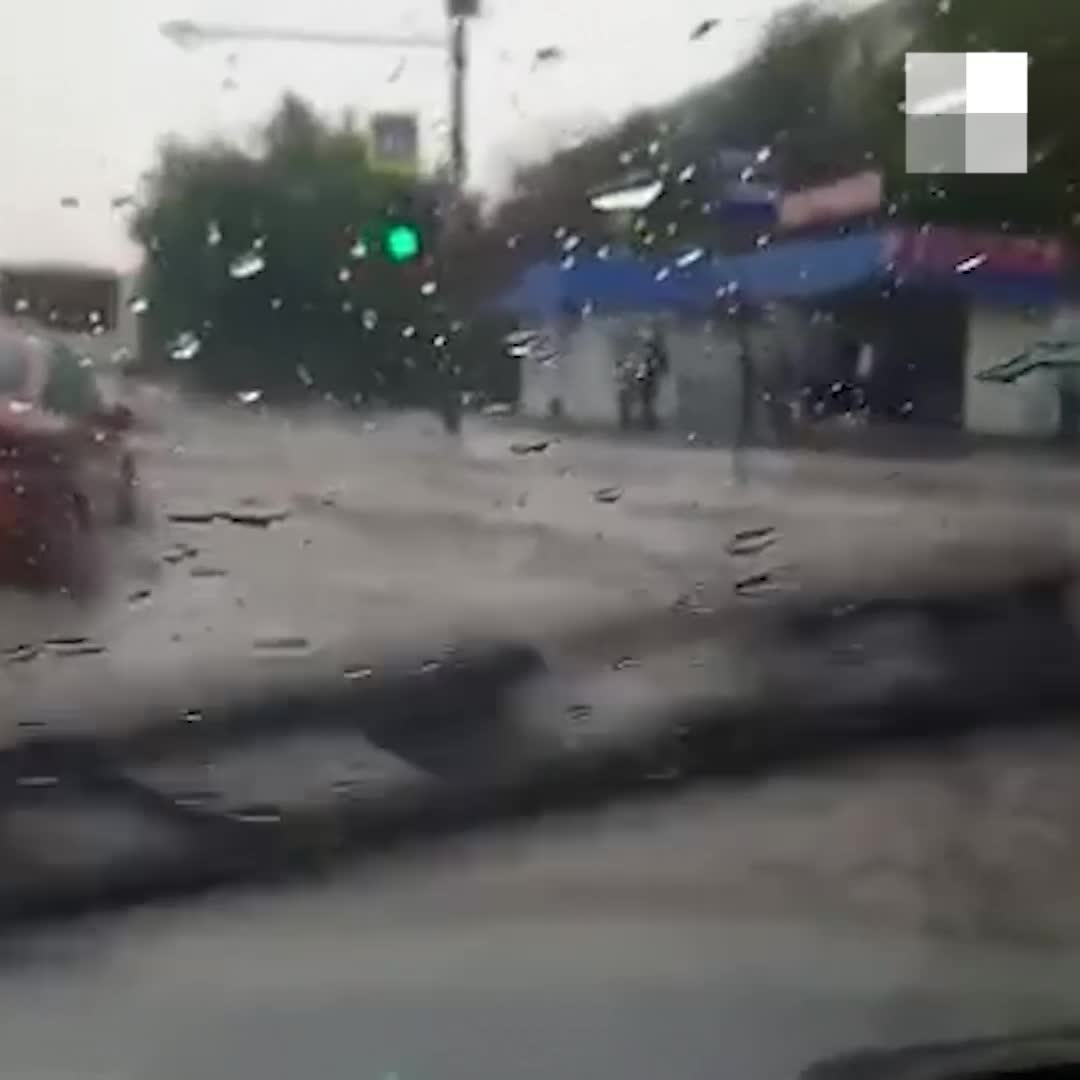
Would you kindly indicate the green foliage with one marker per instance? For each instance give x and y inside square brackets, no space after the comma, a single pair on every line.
[273,260]
[825,94]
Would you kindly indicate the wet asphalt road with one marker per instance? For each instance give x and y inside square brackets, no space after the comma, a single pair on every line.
[745,931]
[386,538]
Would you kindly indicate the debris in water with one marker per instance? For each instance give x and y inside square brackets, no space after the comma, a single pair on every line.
[706,26]
[208,572]
[608,494]
[255,518]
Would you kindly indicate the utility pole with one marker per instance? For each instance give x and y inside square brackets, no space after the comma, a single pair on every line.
[447,371]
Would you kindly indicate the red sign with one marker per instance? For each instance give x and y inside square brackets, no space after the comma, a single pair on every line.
[961,252]
[847,198]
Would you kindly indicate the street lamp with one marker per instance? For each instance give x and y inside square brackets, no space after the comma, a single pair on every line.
[187,34]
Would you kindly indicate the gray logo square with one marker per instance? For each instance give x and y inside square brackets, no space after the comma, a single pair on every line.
[935,83]
[995,143]
[936,144]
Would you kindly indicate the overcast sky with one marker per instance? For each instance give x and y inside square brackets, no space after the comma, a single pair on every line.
[89,87]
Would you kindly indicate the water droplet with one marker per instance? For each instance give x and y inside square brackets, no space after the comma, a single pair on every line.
[355,674]
[185,346]
[757,584]
[967,265]
[19,406]
[359,250]
[610,494]
[138,305]
[764,240]
[213,234]
[568,262]
[690,257]
[752,541]
[22,304]
[193,716]
[604,251]
[663,273]
[571,242]
[408,331]
[249,397]
[95,317]
[344,274]
[247,265]
[703,28]
[763,155]
[429,288]
[637,196]
[69,202]
[286,642]
[21,654]
[370,318]
[38,781]
[276,303]
[439,341]
[686,174]
[304,375]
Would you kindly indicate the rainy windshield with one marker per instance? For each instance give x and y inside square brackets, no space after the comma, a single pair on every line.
[453,417]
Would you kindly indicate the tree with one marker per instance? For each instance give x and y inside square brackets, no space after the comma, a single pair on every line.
[263,269]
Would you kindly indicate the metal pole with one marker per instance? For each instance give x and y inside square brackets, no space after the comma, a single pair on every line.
[459,69]
[450,390]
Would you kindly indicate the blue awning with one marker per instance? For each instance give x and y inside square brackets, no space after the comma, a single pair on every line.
[795,270]
[613,285]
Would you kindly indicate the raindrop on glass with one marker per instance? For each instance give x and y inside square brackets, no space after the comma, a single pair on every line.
[138,305]
[429,288]
[249,397]
[213,234]
[408,331]
[690,257]
[247,265]
[370,318]
[185,346]
[344,274]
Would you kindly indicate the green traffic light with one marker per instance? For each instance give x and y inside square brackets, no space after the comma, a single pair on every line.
[401,243]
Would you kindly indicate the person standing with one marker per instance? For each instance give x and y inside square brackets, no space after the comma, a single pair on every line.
[655,365]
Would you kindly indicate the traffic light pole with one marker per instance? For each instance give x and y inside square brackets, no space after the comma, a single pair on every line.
[459,12]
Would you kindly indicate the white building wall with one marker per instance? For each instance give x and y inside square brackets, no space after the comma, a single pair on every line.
[1027,407]
[581,374]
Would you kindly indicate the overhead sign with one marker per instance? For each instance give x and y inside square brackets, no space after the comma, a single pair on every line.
[847,198]
[395,143]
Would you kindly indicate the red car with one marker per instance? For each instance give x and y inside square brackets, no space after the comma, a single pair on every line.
[66,468]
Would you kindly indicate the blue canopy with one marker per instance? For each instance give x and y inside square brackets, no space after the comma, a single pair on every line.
[801,269]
